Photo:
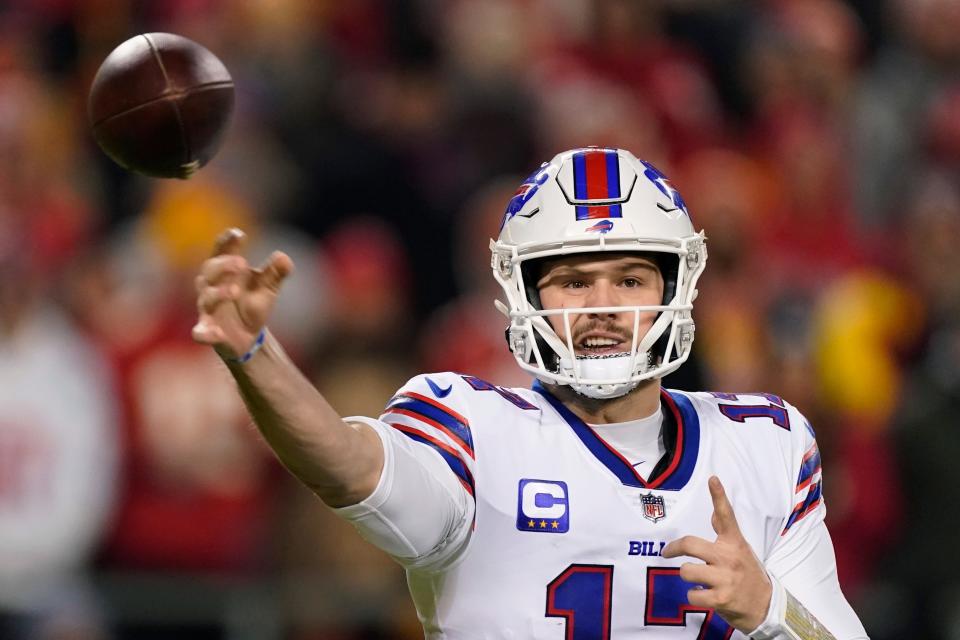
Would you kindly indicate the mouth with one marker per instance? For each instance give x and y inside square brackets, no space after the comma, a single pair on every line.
[601,344]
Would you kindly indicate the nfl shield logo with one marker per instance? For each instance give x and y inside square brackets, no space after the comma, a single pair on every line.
[653,508]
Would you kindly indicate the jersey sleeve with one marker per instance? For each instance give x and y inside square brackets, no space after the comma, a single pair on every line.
[422,510]
[807,501]
[802,559]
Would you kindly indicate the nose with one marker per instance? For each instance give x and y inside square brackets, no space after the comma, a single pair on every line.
[602,294]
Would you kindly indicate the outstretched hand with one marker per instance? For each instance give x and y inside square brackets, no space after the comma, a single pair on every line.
[233,298]
[734,582]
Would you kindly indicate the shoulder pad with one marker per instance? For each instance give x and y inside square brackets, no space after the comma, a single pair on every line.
[432,405]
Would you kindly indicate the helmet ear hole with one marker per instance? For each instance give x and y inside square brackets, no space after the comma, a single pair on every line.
[551,359]
[658,352]
[532,271]
[669,265]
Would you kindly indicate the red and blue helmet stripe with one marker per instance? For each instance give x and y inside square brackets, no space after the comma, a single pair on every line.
[596,176]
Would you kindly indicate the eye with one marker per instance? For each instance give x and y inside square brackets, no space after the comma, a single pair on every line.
[574,284]
[631,282]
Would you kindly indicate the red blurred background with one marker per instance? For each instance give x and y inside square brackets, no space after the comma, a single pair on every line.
[377,142]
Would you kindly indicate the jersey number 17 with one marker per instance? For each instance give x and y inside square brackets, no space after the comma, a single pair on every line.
[583,595]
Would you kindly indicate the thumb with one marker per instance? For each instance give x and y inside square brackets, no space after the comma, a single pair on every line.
[275,270]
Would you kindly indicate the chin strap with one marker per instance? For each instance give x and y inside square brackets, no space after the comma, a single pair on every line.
[607,367]
[604,391]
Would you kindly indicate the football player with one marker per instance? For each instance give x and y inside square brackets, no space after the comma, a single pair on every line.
[596,504]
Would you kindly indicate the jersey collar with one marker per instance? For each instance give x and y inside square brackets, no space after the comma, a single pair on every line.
[682,440]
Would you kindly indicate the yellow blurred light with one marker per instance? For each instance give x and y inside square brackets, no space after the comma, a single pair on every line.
[184,218]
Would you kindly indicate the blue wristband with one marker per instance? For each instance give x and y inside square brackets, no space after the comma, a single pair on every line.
[256,347]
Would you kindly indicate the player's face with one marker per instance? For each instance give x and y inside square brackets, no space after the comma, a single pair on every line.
[589,280]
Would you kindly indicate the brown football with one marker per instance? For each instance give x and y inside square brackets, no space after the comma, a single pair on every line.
[159,105]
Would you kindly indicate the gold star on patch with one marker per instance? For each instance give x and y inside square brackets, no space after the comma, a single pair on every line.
[543,524]
[531,523]
[555,524]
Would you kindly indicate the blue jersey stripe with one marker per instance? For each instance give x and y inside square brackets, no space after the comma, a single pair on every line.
[458,429]
[801,510]
[688,427]
[809,467]
[456,464]
[624,472]
[688,440]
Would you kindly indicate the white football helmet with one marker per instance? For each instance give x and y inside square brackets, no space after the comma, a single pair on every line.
[590,201]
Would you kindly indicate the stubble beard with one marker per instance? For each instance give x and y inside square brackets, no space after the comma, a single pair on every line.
[593,406]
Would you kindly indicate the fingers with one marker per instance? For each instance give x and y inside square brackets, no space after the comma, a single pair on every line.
[724,521]
[700,574]
[274,271]
[712,587]
[233,299]
[693,547]
[708,584]
[212,297]
[703,598]
[230,242]
[221,268]
[207,333]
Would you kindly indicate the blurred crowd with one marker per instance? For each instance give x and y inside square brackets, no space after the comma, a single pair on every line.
[377,142]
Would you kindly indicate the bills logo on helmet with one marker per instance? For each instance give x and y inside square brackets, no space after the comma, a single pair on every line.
[601,227]
[661,182]
[524,193]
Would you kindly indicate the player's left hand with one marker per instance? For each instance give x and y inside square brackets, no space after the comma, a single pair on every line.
[734,582]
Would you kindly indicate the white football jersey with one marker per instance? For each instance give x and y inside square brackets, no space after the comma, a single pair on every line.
[566,537]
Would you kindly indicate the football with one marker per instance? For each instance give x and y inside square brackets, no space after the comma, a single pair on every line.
[159,105]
